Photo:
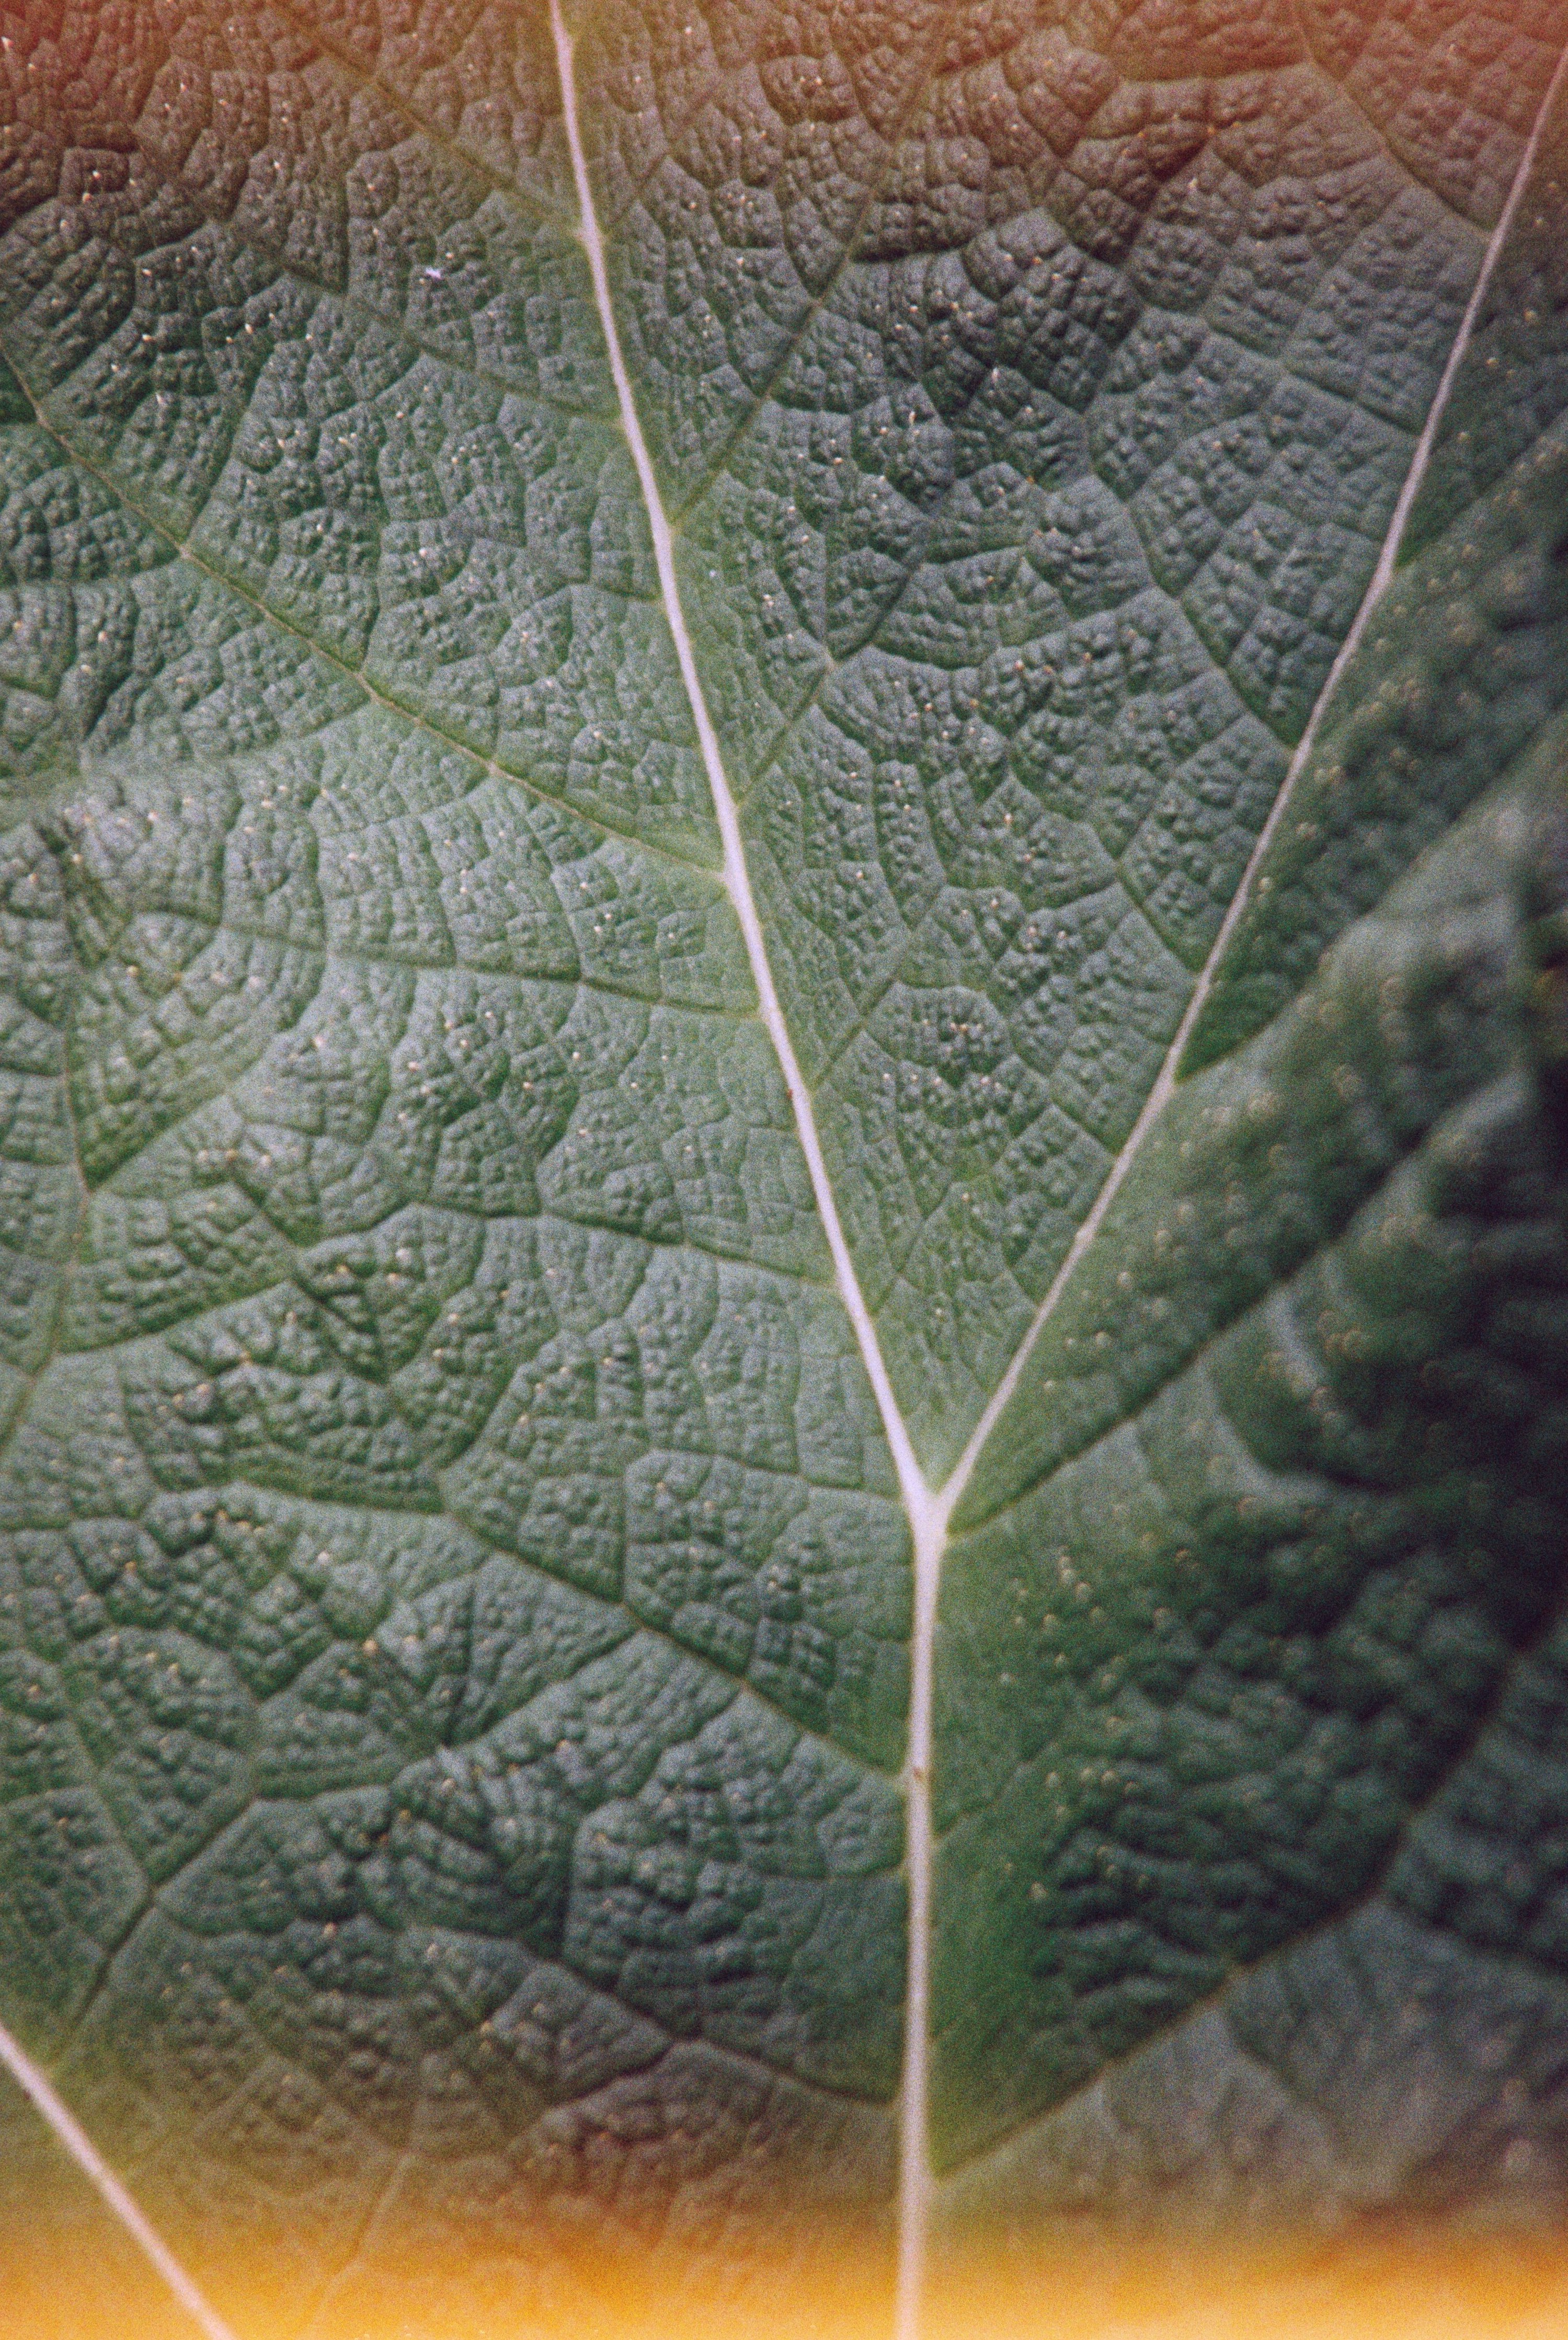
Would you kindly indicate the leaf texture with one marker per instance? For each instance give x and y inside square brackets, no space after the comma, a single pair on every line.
[898,862]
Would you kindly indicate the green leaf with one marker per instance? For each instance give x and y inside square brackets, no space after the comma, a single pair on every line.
[784,901]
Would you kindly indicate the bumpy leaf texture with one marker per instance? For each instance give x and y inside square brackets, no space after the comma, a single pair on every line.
[782,801]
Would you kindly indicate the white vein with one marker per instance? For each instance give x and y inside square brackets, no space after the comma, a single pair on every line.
[930,1510]
[928,1513]
[917,1495]
[114,2190]
[1160,1096]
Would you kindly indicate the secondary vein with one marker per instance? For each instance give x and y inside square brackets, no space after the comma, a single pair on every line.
[112,2188]
[1164,1086]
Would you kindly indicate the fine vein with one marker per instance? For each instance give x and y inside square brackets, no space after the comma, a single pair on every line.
[114,2190]
[928,1513]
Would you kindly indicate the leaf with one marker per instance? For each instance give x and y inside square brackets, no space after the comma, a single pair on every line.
[784,819]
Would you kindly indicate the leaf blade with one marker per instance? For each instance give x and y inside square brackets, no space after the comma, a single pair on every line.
[450,1418]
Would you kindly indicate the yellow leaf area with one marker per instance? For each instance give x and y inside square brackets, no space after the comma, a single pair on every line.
[61,2281]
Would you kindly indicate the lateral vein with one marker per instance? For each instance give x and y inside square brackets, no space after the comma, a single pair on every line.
[112,2189]
[1382,577]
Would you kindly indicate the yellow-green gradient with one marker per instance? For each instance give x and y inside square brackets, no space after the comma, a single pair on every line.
[68,2275]
[1085,581]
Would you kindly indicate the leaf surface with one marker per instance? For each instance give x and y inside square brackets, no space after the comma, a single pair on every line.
[771,781]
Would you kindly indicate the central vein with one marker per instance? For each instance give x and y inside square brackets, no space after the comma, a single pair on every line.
[928,1513]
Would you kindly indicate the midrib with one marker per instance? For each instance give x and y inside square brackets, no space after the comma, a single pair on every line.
[927,1511]
[930,1509]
